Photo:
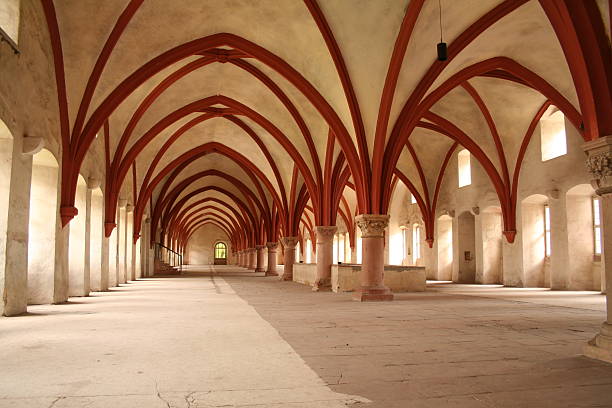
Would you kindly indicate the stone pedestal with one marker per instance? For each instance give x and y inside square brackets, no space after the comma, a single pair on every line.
[325,257]
[289,257]
[271,269]
[372,228]
[260,257]
[599,164]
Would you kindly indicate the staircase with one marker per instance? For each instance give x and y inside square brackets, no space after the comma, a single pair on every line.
[162,268]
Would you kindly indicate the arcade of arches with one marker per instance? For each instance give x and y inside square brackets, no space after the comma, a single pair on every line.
[317,152]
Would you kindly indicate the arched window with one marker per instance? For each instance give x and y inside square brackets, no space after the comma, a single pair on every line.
[465,171]
[220,250]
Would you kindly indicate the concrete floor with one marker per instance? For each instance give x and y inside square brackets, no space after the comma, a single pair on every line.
[229,338]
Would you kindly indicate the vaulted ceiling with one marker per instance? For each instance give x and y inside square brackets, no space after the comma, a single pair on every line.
[254,110]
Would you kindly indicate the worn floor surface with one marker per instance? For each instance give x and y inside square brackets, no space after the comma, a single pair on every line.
[226,338]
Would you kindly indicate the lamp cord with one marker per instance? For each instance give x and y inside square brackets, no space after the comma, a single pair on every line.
[440,10]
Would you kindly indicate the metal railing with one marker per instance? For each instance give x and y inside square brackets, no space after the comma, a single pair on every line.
[169,256]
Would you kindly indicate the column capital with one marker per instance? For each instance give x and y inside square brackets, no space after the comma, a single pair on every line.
[271,245]
[325,233]
[258,247]
[372,225]
[599,164]
[289,242]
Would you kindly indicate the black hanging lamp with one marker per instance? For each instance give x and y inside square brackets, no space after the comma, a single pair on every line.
[442,47]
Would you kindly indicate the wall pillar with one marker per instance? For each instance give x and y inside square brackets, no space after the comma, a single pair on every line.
[599,164]
[289,257]
[372,228]
[559,254]
[271,269]
[325,257]
[14,274]
[260,257]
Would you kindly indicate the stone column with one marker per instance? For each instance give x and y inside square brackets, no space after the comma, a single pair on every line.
[289,257]
[599,164]
[372,228]
[271,270]
[252,258]
[325,257]
[260,258]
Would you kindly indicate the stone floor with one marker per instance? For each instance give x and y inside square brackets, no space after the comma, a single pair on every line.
[230,338]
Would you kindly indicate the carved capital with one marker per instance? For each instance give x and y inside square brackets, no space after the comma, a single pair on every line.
[122,202]
[599,164]
[129,207]
[475,210]
[289,242]
[271,246]
[325,233]
[259,247]
[93,183]
[372,225]
[32,145]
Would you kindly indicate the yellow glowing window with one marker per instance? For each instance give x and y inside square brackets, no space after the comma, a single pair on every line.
[465,171]
[412,199]
[597,226]
[220,250]
[552,131]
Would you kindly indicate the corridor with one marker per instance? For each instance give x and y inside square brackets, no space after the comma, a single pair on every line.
[223,336]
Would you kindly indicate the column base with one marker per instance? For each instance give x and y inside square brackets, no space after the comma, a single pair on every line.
[271,273]
[286,277]
[600,347]
[259,270]
[373,294]
[322,285]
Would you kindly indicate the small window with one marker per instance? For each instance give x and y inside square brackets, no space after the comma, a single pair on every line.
[220,250]
[465,171]
[547,230]
[552,131]
[416,242]
[308,251]
[405,244]
[9,21]
[597,226]
[412,199]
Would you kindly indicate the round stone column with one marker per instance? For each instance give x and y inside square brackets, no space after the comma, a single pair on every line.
[271,269]
[599,165]
[260,256]
[289,257]
[325,257]
[252,258]
[372,228]
[241,258]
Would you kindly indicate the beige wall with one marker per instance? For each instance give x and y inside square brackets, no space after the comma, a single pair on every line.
[200,247]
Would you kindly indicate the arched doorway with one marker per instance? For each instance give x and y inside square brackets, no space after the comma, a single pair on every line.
[220,253]
[466,247]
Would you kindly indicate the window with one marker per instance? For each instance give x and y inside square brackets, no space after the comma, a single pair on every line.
[547,230]
[465,171]
[552,134]
[220,250]
[9,20]
[308,251]
[597,226]
[405,246]
[412,199]
[416,242]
